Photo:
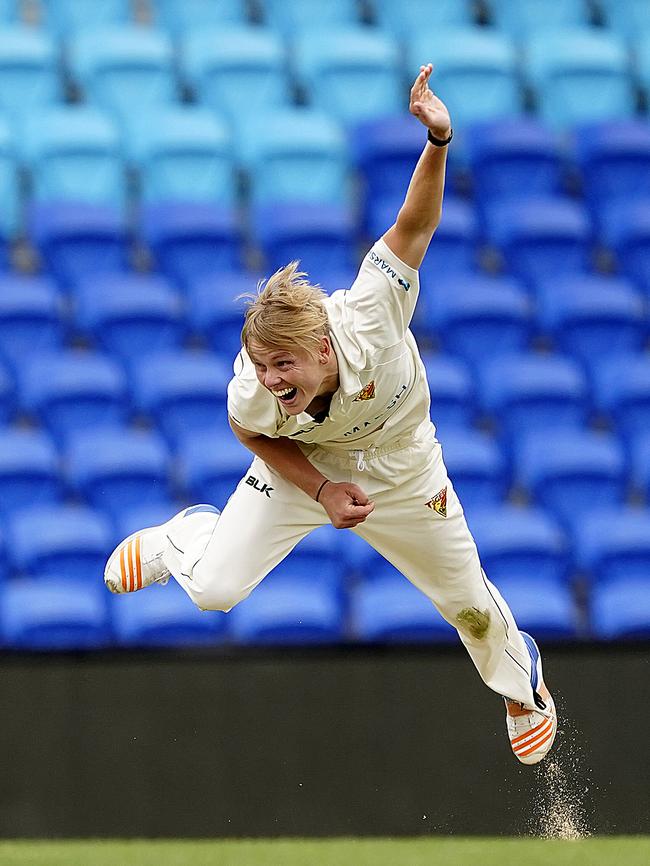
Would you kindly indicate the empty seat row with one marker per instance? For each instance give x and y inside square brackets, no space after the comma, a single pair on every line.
[536,238]
[129,313]
[188,153]
[148,368]
[396,16]
[351,73]
[294,605]
[568,472]
[516,543]
[184,153]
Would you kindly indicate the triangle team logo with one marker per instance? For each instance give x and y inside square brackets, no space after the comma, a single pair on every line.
[439,502]
[367,393]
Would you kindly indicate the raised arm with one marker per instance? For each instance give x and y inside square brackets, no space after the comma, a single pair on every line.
[419,216]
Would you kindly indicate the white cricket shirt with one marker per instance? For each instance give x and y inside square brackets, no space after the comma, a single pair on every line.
[383,393]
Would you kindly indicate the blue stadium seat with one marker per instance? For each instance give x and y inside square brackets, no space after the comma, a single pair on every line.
[625,229]
[289,17]
[65,17]
[453,248]
[189,240]
[7,396]
[29,78]
[613,550]
[387,608]
[214,311]
[475,69]
[321,237]
[451,389]
[130,315]
[126,70]
[474,313]
[621,610]
[31,317]
[196,15]
[614,160]
[579,75]
[544,607]
[627,19]
[571,471]
[9,190]
[74,239]
[352,74]
[513,158]
[182,390]
[386,151]
[622,391]
[528,391]
[476,466]
[56,613]
[356,553]
[133,518]
[296,155]
[114,468]
[289,608]
[74,154]
[51,540]
[318,553]
[540,236]
[29,469]
[185,155]
[587,312]
[521,18]
[640,463]
[613,544]
[227,67]
[454,245]
[73,390]
[405,17]
[338,278]
[517,543]
[211,463]
[164,616]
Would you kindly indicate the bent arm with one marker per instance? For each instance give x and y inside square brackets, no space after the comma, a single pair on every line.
[284,456]
[346,504]
[420,214]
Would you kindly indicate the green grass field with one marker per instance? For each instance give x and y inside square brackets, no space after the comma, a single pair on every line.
[603,851]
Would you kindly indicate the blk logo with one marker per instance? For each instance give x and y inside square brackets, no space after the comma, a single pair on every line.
[259,485]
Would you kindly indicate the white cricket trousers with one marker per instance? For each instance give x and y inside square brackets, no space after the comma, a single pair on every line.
[219,560]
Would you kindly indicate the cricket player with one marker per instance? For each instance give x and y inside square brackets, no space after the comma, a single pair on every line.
[330,395]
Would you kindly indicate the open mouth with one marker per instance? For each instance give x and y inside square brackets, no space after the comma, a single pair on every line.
[287,396]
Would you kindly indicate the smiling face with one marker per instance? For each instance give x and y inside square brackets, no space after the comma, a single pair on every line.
[299,380]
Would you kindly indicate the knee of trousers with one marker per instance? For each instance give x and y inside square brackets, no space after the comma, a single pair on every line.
[476,615]
[214,596]
[215,589]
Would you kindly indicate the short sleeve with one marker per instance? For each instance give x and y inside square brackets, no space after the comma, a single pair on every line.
[382,299]
[249,404]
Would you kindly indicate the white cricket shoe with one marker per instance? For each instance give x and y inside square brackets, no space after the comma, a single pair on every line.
[137,561]
[532,732]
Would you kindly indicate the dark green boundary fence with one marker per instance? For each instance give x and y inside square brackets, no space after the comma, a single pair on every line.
[357,741]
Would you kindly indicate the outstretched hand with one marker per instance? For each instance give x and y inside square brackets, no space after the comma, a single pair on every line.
[426,106]
[346,504]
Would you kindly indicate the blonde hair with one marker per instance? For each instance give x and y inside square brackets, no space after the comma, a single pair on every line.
[286,311]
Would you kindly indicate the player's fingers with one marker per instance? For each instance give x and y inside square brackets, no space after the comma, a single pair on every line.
[360,511]
[357,495]
[420,80]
